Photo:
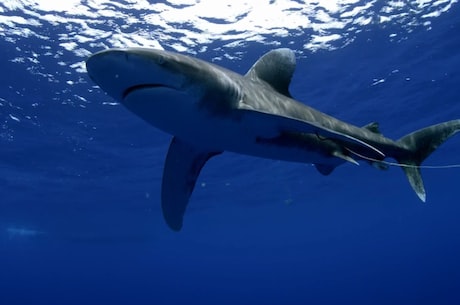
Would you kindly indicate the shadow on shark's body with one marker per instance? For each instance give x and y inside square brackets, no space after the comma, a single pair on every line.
[209,109]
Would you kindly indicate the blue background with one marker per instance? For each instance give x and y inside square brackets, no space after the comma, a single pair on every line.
[84,180]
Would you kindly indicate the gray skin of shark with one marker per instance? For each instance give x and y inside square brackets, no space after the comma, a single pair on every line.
[209,109]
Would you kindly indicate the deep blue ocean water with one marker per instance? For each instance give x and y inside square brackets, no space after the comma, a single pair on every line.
[80,219]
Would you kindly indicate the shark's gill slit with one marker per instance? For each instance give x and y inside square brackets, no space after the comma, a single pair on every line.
[130,90]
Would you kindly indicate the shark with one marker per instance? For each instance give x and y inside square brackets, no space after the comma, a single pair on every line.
[209,109]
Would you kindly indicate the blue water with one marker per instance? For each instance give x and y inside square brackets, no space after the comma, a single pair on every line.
[80,219]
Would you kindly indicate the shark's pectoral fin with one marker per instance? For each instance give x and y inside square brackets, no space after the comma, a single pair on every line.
[182,167]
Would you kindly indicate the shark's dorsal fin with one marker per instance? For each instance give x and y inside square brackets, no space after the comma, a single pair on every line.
[276,69]
[182,167]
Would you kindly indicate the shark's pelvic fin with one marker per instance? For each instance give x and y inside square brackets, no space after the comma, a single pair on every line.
[417,146]
[276,69]
[182,167]
[327,169]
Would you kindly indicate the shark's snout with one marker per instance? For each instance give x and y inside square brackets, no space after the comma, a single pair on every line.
[121,71]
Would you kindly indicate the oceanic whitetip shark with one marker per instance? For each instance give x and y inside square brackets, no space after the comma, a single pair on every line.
[209,109]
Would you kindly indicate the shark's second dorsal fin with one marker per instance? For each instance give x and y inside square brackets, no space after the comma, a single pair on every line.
[276,69]
[373,126]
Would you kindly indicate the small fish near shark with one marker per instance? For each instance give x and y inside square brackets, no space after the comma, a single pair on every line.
[209,109]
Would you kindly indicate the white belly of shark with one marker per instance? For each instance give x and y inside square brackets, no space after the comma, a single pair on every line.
[213,133]
[209,109]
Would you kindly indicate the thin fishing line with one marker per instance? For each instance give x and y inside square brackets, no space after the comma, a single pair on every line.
[402,164]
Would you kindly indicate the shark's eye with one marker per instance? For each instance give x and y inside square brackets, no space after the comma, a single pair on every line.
[160,60]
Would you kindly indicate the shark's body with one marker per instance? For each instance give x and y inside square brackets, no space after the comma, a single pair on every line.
[209,109]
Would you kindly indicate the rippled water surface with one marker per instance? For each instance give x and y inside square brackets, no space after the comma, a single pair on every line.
[80,219]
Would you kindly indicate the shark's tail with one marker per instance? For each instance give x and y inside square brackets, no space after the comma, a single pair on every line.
[417,146]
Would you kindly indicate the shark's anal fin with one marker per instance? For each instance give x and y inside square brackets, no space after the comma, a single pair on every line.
[324,169]
[182,167]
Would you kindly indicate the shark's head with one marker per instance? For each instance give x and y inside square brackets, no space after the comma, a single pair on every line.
[119,72]
[155,84]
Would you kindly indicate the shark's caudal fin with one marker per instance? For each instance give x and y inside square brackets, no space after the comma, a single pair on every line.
[417,146]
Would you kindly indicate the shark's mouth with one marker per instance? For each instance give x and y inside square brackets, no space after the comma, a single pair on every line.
[132,89]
